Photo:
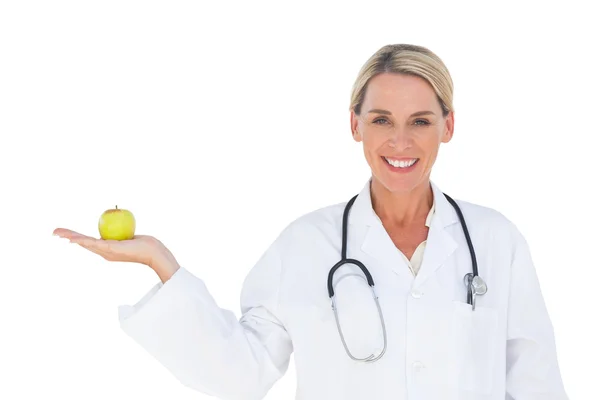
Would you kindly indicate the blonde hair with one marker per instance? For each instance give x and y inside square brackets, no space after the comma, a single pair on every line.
[405,59]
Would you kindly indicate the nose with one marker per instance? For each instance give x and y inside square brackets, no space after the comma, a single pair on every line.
[400,138]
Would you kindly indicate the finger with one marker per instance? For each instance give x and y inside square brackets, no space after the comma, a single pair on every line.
[63,232]
[87,242]
[96,251]
[68,233]
[93,245]
[106,247]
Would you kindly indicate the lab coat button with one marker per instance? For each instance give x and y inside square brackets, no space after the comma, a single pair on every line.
[415,293]
[418,366]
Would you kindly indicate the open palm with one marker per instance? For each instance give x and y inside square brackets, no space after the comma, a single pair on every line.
[140,249]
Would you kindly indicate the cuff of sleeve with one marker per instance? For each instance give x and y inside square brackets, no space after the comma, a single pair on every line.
[159,297]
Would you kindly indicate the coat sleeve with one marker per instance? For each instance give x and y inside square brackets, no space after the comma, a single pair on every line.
[207,348]
[532,366]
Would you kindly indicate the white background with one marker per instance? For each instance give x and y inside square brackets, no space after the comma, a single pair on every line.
[216,124]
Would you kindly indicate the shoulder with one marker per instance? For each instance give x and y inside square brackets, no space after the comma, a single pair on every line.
[482,213]
[490,221]
[318,220]
[311,227]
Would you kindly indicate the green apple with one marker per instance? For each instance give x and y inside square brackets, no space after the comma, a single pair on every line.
[116,224]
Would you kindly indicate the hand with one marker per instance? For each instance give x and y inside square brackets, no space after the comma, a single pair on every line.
[141,249]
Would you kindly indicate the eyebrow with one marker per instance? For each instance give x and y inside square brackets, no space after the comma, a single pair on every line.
[386,112]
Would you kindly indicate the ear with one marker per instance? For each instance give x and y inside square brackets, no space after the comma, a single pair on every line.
[448,128]
[354,127]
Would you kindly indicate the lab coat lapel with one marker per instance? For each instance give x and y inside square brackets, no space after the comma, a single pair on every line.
[440,242]
[378,244]
[374,240]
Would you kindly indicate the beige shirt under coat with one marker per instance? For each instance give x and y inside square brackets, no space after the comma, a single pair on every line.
[417,258]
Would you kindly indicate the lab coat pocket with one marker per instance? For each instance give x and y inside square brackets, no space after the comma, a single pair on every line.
[474,335]
[358,316]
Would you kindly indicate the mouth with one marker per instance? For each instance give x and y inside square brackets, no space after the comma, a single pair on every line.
[401,166]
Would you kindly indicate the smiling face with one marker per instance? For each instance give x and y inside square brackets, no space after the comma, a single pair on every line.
[401,120]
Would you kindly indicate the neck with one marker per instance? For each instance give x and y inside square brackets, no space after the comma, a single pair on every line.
[402,209]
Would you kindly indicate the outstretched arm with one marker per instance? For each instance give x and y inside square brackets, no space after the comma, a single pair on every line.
[207,348]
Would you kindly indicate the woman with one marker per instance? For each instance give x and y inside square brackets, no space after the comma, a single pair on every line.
[429,342]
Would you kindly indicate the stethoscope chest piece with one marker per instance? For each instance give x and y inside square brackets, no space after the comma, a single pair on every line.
[476,287]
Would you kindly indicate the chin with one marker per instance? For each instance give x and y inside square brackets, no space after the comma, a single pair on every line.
[398,184]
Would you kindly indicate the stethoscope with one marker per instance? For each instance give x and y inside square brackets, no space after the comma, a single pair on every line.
[475,285]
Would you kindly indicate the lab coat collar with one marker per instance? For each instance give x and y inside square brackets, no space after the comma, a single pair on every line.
[377,243]
[362,212]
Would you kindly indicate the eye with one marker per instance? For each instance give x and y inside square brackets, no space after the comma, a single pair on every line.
[425,122]
[379,119]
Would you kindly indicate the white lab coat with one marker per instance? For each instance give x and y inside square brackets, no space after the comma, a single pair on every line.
[438,348]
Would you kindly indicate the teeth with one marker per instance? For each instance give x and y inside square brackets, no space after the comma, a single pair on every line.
[401,164]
